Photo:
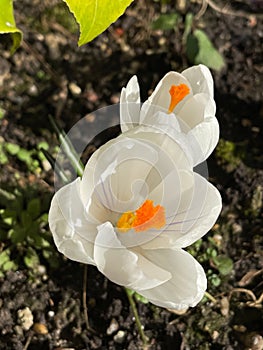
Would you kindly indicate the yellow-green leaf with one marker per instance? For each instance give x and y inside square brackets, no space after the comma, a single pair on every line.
[200,49]
[94,16]
[7,23]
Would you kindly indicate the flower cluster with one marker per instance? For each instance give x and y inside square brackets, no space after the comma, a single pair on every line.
[139,201]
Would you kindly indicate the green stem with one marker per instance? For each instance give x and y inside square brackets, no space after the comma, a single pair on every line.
[136,316]
[210,297]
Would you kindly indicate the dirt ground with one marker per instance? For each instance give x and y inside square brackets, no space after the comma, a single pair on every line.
[50,75]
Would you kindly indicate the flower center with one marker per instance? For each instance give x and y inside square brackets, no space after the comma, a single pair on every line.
[178,93]
[146,217]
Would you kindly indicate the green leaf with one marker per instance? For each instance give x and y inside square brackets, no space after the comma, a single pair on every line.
[199,49]
[68,148]
[33,208]
[6,196]
[166,21]
[7,23]
[215,280]
[31,259]
[8,216]
[224,264]
[9,265]
[2,113]
[94,16]
[43,144]
[26,219]
[187,27]
[24,155]
[51,258]
[12,148]
[43,219]
[4,257]
[3,157]
[17,234]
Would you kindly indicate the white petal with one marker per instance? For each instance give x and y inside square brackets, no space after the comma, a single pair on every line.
[161,121]
[200,79]
[160,98]
[175,146]
[166,125]
[187,285]
[196,110]
[123,266]
[128,169]
[88,180]
[203,139]
[131,161]
[199,208]
[167,194]
[201,214]
[124,163]
[73,231]
[130,105]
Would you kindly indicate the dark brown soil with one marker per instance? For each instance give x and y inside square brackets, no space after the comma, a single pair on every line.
[50,75]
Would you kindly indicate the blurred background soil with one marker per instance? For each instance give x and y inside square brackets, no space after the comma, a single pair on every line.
[50,75]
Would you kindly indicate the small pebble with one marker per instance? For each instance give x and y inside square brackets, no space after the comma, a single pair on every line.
[25,318]
[74,89]
[40,328]
[113,327]
[33,90]
[119,337]
[51,314]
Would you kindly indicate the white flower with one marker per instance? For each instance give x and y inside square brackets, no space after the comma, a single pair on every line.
[131,214]
[187,104]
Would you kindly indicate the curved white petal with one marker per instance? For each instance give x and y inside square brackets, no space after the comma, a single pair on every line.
[175,146]
[88,180]
[196,109]
[124,162]
[127,169]
[200,216]
[130,105]
[166,194]
[161,121]
[200,79]
[187,285]
[73,230]
[203,139]
[199,207]
[124,266]
[160,98]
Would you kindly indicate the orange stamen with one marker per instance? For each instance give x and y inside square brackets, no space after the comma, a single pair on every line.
[145,217]
[178,93]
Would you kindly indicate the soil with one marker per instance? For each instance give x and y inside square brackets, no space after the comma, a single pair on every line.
[50,75]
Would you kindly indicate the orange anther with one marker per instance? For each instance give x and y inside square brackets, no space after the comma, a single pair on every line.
[145,217]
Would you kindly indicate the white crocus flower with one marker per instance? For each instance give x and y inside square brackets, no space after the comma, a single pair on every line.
[188,106]
[133,212]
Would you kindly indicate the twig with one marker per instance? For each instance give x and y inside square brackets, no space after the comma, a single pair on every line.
[228,11]
[256,303]
[28,341]
[84,296]
[137,318]
[202,10]
[84,300]
[243,290]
